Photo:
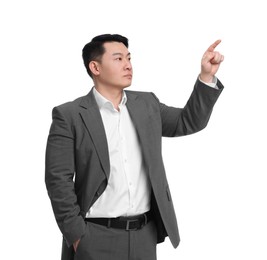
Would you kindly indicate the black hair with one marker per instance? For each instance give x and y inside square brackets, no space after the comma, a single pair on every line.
[95,49]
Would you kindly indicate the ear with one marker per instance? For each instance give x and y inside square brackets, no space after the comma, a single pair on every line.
[94,67]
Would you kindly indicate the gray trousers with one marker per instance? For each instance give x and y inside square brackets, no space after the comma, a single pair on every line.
[102,243]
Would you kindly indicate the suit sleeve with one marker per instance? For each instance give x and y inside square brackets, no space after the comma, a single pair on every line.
[194,116]
[59,174]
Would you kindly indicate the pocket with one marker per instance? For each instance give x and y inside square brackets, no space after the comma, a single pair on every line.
[83,240]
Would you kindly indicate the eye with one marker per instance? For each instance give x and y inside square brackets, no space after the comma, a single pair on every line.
[119,58]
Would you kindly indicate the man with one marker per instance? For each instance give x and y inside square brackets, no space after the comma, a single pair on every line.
[104,170]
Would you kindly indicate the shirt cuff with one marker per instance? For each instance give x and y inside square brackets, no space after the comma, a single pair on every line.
[212,84]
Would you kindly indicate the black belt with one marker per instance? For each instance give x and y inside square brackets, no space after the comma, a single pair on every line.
[126,223]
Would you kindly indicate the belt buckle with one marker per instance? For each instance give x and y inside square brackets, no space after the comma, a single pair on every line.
[128,225]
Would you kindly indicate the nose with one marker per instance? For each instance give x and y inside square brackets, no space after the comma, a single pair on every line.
[128,65]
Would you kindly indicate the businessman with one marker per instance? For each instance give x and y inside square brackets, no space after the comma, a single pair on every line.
[104,170]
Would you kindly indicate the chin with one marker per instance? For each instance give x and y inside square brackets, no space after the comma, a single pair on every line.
[126,85]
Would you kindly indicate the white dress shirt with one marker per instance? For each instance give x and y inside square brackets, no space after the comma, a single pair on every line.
[128,190]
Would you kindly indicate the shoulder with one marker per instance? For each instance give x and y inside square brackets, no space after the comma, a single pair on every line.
[70,106]
[68,109]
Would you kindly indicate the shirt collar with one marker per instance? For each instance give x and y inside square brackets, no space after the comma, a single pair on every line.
[102,101]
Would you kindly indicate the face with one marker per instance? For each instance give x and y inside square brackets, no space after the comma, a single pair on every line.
[115,69]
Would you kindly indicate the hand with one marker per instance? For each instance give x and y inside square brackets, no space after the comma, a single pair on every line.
[210,63]
[75,245]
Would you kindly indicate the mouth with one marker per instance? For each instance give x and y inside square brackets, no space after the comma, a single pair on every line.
[128,76]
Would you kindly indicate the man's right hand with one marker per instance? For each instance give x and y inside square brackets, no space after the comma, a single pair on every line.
[75,245]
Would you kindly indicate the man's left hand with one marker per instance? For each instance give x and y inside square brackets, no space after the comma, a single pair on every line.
[210,63]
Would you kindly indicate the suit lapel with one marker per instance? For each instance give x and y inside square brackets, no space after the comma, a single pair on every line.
[92,119]
[138,112]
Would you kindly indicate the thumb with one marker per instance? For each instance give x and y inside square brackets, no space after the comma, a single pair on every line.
[208,56]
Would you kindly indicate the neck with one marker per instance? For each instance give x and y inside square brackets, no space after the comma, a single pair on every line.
[114,95]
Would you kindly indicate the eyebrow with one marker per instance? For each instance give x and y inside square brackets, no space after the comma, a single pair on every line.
[121,54]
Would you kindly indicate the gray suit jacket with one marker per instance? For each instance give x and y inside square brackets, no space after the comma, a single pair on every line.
[77,159]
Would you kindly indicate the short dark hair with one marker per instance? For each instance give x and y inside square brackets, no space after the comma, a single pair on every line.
[95,49]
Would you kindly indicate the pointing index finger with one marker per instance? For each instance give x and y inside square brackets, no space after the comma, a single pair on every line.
[214,45]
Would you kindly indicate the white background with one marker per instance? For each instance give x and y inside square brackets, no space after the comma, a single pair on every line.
[217,176]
